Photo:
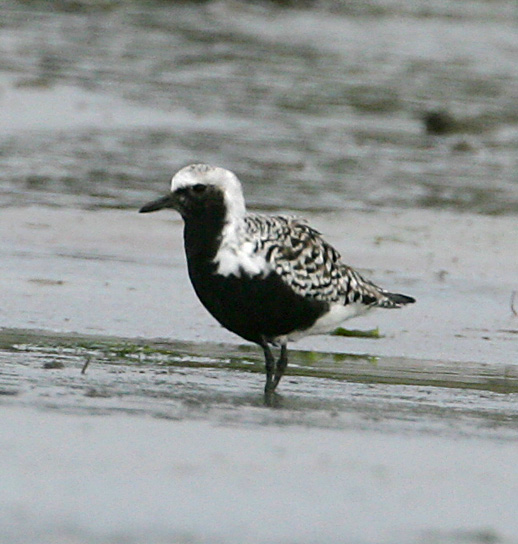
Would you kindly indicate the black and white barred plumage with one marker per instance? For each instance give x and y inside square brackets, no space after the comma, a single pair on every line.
[311,266]
[269,279]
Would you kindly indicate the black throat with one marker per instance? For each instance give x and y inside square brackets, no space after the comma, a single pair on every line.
[202,232]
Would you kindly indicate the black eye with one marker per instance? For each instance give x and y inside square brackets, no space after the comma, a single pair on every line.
[199,188]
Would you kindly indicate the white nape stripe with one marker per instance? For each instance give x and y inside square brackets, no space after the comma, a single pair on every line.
[219,177]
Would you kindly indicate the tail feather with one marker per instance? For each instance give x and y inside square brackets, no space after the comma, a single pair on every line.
[395,300]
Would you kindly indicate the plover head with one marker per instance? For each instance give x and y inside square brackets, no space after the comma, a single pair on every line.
[197,188]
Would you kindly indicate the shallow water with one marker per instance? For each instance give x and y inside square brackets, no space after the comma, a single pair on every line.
[177,436]
[320,108]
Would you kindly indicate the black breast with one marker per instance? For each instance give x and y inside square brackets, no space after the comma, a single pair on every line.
[253,307]
[250,306]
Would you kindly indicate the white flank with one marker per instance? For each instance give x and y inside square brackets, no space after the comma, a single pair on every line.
[337,314]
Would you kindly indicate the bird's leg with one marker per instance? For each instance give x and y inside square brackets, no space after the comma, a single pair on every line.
[281,365]
[270,366]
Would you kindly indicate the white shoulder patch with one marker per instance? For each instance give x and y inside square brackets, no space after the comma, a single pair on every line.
[236,257]
[234,261]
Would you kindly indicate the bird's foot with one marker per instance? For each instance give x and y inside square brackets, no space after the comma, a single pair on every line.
[271,398]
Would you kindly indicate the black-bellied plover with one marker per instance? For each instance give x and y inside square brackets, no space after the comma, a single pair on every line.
[269,279]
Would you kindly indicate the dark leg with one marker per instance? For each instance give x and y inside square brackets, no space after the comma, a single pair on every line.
[281,365]
[270,366]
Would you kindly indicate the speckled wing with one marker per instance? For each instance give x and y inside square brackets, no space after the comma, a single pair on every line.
[309,265]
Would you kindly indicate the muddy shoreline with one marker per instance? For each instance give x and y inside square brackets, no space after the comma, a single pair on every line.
[322,111]
[168,421]
[118,273]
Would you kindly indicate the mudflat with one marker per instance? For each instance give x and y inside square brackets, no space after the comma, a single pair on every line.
[410,437]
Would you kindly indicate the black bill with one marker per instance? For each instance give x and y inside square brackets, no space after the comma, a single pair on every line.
[168,201]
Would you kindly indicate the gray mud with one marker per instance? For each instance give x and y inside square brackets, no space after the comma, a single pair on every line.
[323,109]
[403,438]
[171,442]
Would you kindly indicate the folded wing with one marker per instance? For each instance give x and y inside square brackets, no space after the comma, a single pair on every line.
[311,266]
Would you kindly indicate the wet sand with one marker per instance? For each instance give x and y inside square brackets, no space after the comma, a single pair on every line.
[120,273]
[407,438]
[134,479]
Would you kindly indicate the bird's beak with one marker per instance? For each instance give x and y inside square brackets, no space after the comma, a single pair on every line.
[168,201]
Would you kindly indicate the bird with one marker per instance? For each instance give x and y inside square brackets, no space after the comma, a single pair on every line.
[270,279]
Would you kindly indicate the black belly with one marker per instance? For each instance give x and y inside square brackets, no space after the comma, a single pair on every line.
[253,307]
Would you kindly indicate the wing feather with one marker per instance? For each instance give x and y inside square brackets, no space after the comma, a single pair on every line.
[308,264]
